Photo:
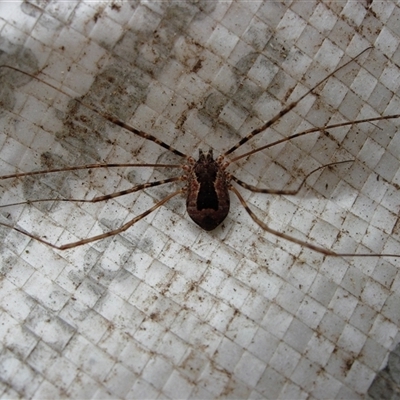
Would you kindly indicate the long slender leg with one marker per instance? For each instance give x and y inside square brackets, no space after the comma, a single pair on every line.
[88,166]
[287,109]
[287,192]
[310,246]
[312,130]
[105,115]
[102,236]
[102,198]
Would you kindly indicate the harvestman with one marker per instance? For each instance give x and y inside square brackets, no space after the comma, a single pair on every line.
[207,180]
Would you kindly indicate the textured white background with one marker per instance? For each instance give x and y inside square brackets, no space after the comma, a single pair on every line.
[166,310]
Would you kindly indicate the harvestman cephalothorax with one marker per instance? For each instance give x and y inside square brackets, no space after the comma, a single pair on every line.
[208,181]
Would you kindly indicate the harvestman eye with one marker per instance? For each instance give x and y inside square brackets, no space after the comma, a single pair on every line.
[207,180]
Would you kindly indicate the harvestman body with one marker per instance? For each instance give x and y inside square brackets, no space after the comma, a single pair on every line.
[208,192]
[208,182]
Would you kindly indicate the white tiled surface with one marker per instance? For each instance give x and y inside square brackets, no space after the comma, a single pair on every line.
[166,310]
